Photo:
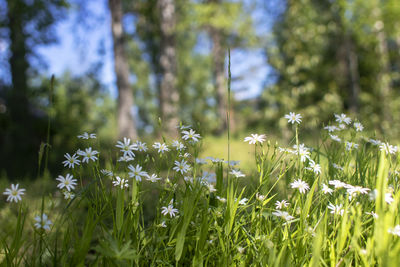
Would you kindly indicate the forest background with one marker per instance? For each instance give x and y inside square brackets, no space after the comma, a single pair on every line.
[139,68]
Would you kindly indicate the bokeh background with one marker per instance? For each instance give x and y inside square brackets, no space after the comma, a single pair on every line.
[139,68]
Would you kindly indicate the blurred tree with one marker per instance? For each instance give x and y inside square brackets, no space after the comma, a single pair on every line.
[126,121]
[29,24]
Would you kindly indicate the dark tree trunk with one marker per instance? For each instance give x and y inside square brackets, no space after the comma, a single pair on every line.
[126,121]
[169,97]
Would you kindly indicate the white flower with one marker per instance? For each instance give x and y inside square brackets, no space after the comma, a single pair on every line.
[223,200]
[237,173]
[183,127]
[181,167]
[137,172]
[68,182]
[375,142]
[389,198]
[283,214]
[208,177]
[358,126]
[335,138]
[342,126]
[191,134]
[326,189]
[71,161]
[215,160]
[211,188]
[293,118]
[178,145]
[254,138]
[153,178]
[331,128]
[243,201]
[169,210]
[14,194]
[337,166]
[301,185]
[201,161]
[162,224]
[232,163]
[88,154]
[141,146]
[188,179]
[354,190]
[316,168]
[395,230]
[373,214]
[387,148]
[42,222]
[303,151]
[125,158]
[350,146]
[161,147]
[336,209]
[127,147]
[241,250]
[121,182]
[85,135]
[107,172]
[342,118]
[281,204]
[337,184]
[260,197]
[68,195]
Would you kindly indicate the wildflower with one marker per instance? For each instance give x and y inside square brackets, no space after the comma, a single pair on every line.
[243,201]
[208,177]
[183,127]
[68,195]
[153,178]
[303,151]
[375,142]
[215,160]
[342,126]
[88,154]
[293,118]
[237,173]
[211,188]
[358,126]
[316,168]
[201,161]
[223,200]
[387,148]
[301,185]
[68,182]
[260,197]
[353,190]
[254,138]
[342,118]
[233,163]
[125,158]
[169,210]
[120,182]
[141,146]
[161,147]
[389,198]
[395,230]
[241,250]
[283,214]
[337,183]
[14,194]
[42,222]
[337,166]
[373,214]
[335,138]
[181,167]
[178,145]
[127,147]
[350,146]
[336,209]
[281,204]
[107,173]
[71,161]
[326,189]
[137,172]
[85,135]
[188,179]
[331,128]
[162,224]
[191,134]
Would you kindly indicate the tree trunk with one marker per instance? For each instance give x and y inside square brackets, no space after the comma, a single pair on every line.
[126,121]
[169,97]
[218,57]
